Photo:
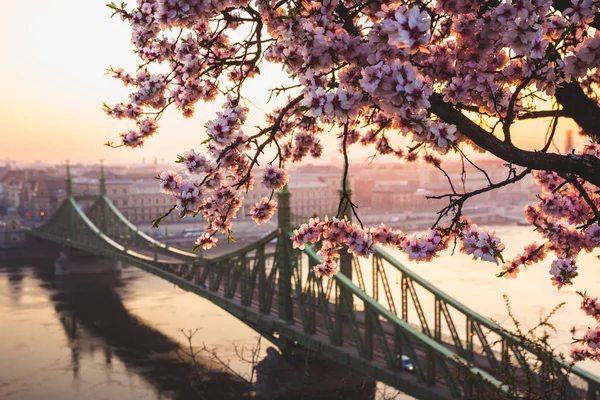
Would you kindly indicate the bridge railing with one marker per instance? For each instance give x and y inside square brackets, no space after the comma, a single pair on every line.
[136,235]
[498,349]
[498,346]
[343,324]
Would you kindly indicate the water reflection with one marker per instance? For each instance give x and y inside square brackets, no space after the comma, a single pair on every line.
[15,276]
[93,321]
[116,336]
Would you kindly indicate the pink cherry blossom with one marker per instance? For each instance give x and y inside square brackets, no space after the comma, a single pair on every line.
[481,244]
[263,210]
[591,307]
[275,178]
[207,241]
[169,181]
[563,270]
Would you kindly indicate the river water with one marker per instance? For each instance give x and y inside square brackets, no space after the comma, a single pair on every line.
[109,336]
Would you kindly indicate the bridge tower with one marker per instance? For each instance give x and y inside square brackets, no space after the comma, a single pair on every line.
[68,184]
[345,266]
[346,212]
[69,190]
[286,306]
[102,223]
[102,179]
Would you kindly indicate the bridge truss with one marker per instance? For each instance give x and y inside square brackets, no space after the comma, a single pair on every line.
[355,320]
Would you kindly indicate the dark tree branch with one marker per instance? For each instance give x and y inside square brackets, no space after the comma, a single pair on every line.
[551,136]
[457,200]
[573,180]
[510,114]
[345,201]
[272,130]
[542,114]
[464,156]
[584,166]
[580,107]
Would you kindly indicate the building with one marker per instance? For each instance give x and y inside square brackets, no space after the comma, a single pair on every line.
[311,195]
[393,196]
[141,201]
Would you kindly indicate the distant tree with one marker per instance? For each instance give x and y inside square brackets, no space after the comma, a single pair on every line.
[448,74]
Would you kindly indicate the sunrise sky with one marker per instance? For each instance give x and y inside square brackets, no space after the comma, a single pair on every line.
[52,86]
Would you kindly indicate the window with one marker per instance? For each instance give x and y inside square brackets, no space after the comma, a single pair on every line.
[124,191]
[142,201]
[114,191]
[124,202]
[156,201]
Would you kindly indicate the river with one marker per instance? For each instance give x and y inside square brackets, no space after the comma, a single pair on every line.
[110,336]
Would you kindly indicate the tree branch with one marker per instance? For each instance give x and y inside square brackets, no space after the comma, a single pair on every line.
[584,166]
[458,199]
[573,180]
[543,114]
[580,107]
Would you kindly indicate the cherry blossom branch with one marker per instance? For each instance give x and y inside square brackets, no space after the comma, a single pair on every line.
[272,130]
[346,201]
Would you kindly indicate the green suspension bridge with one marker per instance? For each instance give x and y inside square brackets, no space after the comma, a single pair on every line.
[354,320]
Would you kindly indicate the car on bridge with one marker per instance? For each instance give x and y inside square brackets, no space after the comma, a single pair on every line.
[192,234]
[407,364]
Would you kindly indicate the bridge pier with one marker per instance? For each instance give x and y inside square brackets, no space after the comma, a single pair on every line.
[292,376]
[71,261]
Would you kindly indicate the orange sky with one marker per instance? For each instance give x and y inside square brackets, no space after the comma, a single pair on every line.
[52,86]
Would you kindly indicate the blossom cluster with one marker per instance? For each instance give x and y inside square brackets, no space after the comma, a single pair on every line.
[481,243]
[565,218]
[426,246]
[532,253]
[263,210]
[275,178]
[563,270]
[591,307]
[591,346]
[338,233]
